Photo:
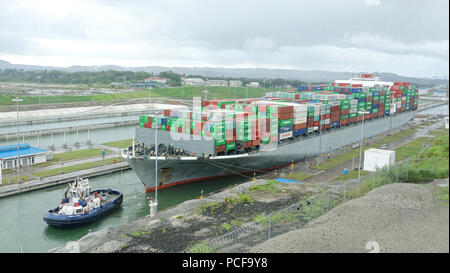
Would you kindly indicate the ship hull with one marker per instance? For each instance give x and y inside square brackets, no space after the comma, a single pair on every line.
[174,172]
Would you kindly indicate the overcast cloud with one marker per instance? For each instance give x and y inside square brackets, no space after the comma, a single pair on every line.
[407,37]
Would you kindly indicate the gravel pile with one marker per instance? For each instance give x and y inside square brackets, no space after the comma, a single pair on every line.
[392,218]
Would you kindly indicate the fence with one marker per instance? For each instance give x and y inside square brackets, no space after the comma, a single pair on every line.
[297,215]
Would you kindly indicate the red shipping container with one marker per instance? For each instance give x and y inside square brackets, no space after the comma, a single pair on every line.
[368,116]
[299,126]
[248,144]
[285,109]
[316,123]
[220,148]
[256,142]
[284,116]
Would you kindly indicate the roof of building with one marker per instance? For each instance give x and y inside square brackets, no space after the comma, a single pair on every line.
[25,149]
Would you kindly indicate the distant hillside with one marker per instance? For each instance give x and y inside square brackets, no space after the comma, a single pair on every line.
[255,73]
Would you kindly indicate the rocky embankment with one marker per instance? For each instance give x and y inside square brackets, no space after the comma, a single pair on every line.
[178,228]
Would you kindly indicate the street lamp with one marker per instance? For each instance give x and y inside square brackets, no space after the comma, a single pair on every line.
[155,203]
[17,100]
[360,145]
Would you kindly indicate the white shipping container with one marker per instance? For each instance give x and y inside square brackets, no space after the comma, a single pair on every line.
[285,135]
[378,158]
[300,120]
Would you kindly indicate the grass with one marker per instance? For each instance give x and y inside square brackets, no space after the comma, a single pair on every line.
[410,149]
[341,158]
[78,154]
[187,92]
[120,143]
[201,247]
[241,198]
[299,176]
[139,233]
[271,186]
[77,167]
[443,194]
[395,137]
[351,175]
[210,207]
[347,156]
[13,179]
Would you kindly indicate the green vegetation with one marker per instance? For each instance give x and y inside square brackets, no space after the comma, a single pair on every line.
[394,137]
[241,198]
[211,207]
[62,77]
[403,152]
[78,154]
[187,92]
[201,247]
[77,167]
[225,227]
[351,175]
[120,143]
[139,233]
[420,166]
[299,176]
[271,186]
[13,179]
[410,149]
[443,194]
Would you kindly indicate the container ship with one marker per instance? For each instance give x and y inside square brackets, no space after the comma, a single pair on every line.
[219,138]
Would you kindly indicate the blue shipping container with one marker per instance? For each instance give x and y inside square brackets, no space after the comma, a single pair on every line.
[300,132]
[334,124]
[285,129]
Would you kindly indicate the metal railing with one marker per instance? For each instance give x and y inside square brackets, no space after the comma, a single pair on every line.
[298,214]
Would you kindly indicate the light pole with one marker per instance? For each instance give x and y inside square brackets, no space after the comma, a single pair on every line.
[360,145]
[17,100]
[157,116]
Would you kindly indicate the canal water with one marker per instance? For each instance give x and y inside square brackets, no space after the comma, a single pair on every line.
[12,129]
[22,227]
[440,110]
[97,136]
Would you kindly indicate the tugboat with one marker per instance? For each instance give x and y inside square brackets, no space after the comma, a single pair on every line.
[83,206]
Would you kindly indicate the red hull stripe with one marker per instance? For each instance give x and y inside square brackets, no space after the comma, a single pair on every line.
[210,177]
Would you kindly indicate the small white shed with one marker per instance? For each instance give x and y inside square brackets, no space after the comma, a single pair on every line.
[378,158]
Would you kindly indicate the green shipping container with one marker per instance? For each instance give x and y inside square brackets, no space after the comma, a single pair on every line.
[285,122]
[230,146]
[220,142]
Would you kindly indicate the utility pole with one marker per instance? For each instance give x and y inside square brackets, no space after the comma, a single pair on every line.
[360,145]
[17,100]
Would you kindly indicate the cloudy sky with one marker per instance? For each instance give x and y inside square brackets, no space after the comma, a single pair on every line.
[407,37]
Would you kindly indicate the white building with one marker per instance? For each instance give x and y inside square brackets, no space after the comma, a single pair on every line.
[378,158]
[235,83]
[28,156]
[194,81]
[216,83]
[253,84]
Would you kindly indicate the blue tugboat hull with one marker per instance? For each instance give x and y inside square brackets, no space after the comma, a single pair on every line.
[86,218]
